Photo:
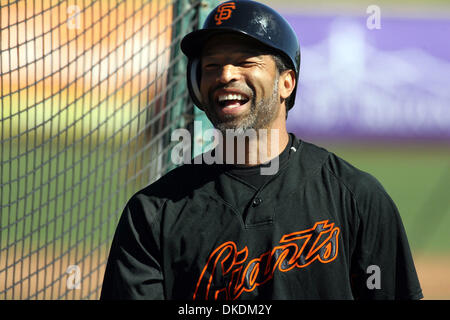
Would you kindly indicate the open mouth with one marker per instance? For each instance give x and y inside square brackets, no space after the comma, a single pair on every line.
[232,100]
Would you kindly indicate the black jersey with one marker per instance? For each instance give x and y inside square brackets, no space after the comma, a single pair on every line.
[317,229]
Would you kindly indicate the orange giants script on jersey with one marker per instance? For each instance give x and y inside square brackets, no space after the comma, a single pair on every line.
[296,250]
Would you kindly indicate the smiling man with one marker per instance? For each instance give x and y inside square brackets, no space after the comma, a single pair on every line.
[244,90]
[241,85]
[317,228]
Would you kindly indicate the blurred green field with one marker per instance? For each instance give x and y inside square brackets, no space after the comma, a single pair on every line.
[64,170]
[417,177]
[54,195]
[55,203]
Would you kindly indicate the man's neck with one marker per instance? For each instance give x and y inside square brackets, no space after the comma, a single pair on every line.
[254,147]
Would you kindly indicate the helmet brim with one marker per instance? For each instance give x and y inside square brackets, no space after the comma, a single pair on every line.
[192,44]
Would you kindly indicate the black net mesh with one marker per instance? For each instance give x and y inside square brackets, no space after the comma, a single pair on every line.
[90,92]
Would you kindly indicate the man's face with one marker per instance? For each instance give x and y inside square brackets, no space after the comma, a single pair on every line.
[239,84]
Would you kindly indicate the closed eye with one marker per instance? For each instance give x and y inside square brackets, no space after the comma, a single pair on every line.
[247,63]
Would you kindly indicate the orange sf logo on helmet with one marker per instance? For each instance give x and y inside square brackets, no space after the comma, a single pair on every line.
[224,12]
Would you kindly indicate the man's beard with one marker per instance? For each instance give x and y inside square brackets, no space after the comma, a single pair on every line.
[261,114]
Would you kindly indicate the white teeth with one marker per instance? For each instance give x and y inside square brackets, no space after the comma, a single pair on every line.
[232,106]
[230,97]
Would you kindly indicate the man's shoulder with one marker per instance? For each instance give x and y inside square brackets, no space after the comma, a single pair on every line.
[357,181]
[176,183]
[370,195]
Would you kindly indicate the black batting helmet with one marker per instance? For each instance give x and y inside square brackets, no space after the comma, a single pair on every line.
[252,19]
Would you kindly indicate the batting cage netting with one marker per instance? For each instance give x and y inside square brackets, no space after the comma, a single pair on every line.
[90,93]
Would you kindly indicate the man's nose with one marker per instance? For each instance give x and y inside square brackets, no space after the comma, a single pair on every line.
[228,73]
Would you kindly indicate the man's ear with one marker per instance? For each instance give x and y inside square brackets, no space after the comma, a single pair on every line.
[286,84]
[193,81]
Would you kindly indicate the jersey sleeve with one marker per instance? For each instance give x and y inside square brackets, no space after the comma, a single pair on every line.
[382,263]
[133,270]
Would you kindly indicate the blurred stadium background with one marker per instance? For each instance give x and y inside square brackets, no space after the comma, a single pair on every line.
[91,91]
